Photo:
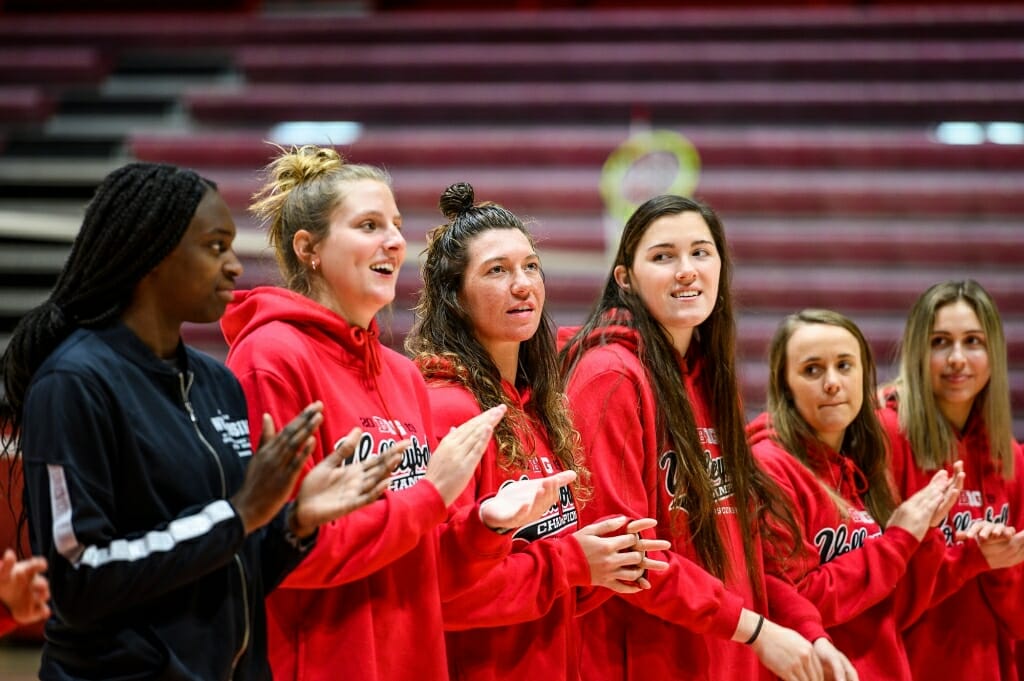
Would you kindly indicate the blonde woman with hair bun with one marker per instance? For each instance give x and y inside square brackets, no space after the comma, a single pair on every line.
[367,603]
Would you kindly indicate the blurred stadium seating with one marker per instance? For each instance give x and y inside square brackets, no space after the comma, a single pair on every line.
[816,127]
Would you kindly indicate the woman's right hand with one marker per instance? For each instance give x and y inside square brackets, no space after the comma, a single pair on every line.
[835,665]
[523,501]
[23,588]
[954,487]
[619,562]
[929,505]
[272,473]
[1001,546]
[456,457]
[333,488]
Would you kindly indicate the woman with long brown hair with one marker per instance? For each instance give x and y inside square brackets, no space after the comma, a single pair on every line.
[654,393]
[482,337]
[821,441]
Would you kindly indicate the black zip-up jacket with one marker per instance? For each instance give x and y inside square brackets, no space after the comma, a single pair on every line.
[129,462]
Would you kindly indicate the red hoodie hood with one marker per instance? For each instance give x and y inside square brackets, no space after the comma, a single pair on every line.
[974,438]
[615,331]
[440,368]
[252,309]
[838,470]
[564,334]
[760,429]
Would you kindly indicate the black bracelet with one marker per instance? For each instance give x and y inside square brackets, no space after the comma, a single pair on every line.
[757,631]
[303,544]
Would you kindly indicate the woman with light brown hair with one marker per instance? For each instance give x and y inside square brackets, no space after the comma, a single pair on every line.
[821,442]
[951,401]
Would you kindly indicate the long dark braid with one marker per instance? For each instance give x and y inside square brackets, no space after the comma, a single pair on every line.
[136,218]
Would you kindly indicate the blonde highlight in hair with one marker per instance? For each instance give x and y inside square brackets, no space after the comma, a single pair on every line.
[932,438]
[304,186]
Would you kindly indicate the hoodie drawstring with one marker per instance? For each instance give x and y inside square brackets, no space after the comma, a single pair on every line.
[366,341]
[853,475]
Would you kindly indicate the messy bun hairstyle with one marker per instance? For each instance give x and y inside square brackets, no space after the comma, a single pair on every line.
[443,339]
[304,186]
[458,199]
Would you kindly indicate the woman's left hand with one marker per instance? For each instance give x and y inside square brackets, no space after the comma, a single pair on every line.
[23,588]
[523,501]
[837,667]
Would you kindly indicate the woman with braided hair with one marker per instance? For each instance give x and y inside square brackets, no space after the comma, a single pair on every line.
[160,536]
[368,601]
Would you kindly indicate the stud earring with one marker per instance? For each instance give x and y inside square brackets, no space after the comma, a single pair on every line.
[315,263]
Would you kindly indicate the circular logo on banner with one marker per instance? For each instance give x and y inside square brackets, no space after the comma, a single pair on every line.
[647,164]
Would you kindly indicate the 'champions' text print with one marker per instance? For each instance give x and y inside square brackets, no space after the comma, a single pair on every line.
[560,515]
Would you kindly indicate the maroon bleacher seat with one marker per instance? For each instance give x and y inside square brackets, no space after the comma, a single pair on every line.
[24,104]
[182,31]
[854,193]
[540,146]
[46,66]
[631,60]
[612,102]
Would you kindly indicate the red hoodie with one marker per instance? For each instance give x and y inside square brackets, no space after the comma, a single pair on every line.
[366,602]
[971,634]
[518,621]
[681,628]
[7,621]
[867,585]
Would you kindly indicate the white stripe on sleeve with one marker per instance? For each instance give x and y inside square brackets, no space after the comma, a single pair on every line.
[60,508]
[179,530]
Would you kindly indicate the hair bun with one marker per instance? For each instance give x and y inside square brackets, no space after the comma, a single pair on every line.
[456,199]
